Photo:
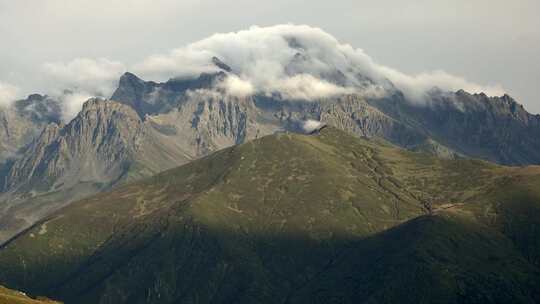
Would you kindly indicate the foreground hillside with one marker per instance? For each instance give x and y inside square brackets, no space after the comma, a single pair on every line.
[288,218]
[8,296]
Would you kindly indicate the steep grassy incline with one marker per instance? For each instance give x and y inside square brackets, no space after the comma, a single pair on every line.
[287,218]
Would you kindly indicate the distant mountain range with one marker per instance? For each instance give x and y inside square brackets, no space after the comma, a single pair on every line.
[147,127]
[289,218]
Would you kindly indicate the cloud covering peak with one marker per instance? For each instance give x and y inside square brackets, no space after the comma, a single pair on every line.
[94,76]
[298,61]
[8,94]
[292,61]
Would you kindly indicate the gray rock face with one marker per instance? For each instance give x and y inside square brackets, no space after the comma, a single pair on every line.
[205,122]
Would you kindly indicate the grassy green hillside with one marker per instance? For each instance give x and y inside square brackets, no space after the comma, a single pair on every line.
[288,218]
[8,296]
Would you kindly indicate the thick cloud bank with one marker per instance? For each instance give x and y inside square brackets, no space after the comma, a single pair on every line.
[75,82]
[94,76]
[292,61]
[8,94]
[298,61]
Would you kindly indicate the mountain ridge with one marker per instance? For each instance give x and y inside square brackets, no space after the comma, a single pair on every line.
[480,112]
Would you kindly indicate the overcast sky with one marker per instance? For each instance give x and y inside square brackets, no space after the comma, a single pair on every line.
[491,42]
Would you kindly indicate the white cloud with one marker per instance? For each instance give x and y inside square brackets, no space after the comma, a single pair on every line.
[307,87]
[298,61]
[72,103]
[184,62]
[97,76]
[236,86]
[408,36]
[311,125]
[76,81]
[8,94]
[415,86]
[204,94]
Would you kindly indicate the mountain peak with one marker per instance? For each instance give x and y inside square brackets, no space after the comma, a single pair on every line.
[97,104]
[220,64]
[130,77]
[35,96]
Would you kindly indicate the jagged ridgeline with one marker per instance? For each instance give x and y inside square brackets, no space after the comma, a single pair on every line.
[289,218]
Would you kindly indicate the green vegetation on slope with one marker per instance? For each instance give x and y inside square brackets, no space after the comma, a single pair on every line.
[290,218]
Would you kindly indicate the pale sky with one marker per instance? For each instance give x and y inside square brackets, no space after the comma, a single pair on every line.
[493,42]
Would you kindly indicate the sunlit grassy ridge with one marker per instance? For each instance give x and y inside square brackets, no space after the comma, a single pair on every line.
[8,296]
[293,218]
